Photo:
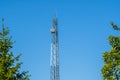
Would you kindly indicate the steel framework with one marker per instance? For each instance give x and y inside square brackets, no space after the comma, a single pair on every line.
[54,57]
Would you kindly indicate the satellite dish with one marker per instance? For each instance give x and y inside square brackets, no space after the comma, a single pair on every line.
[52,30]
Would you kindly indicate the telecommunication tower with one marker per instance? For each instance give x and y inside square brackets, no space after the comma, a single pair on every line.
[54,57]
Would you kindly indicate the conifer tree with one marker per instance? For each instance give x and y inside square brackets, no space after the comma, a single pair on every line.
[9,64]
[111,69]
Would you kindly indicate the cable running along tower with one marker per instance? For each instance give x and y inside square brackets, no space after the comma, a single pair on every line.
[54,57]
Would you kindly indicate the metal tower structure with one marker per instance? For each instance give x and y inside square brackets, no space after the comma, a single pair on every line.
[54,57]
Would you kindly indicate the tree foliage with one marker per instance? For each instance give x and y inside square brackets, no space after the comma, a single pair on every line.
[111,69]
[9,64]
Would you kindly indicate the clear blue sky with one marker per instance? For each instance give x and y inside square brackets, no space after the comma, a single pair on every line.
[83,31]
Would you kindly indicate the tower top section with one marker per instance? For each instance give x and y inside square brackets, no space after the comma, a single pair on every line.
[54,26]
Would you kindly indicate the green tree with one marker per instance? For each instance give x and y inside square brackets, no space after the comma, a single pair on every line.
[9,64]
[111,69]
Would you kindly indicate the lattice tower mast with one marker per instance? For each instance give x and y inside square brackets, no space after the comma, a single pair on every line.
[54,57]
